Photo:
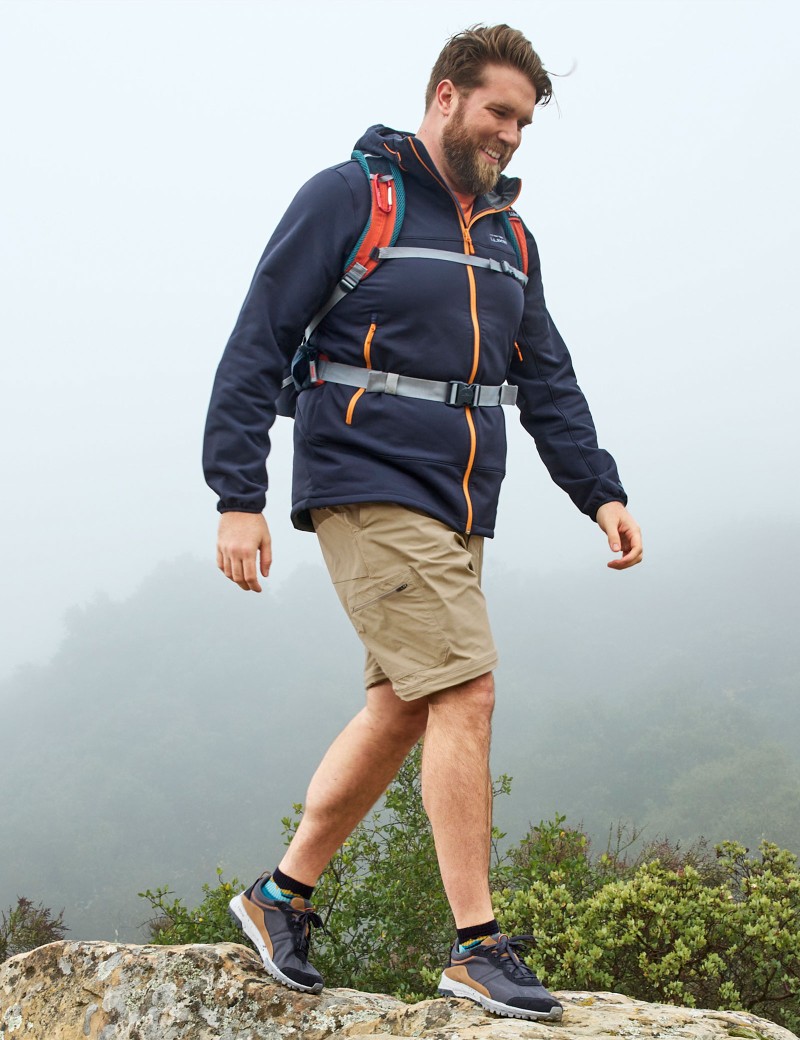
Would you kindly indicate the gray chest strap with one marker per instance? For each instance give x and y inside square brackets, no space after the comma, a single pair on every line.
[418,253]
[351,278]
[456,393]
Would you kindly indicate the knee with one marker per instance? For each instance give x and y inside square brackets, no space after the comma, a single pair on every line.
[403,721]
[411,721]
[473,699]
[478,694]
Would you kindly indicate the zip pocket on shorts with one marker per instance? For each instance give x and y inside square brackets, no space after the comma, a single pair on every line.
[396,620]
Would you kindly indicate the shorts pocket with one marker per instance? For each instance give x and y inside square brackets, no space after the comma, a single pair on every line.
[395,621]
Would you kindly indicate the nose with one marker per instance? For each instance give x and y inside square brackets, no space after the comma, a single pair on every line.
[510,134]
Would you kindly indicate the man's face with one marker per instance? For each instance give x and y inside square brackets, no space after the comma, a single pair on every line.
[484,128]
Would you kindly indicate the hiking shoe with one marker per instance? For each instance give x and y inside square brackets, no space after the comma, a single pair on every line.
[494,976]
[280,932]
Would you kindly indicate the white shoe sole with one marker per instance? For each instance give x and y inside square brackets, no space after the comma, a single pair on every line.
[451,988]
[243,919]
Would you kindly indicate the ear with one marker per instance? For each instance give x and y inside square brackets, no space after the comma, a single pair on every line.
[446,94]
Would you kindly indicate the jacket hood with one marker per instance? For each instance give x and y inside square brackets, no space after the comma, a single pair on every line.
[396,145]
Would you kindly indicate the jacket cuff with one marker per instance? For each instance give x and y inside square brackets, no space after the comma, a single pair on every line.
[602,500]
[233,505]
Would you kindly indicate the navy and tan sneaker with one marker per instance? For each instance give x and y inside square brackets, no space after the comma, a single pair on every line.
[280,932]
[494,976]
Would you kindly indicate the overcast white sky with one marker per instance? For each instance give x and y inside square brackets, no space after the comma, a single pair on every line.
[148,149]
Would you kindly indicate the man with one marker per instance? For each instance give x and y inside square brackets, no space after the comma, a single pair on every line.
[401,485]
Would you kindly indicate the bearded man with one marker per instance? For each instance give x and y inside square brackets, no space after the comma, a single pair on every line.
[399,455]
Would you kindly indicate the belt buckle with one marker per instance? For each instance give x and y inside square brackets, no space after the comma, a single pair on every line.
[462,395]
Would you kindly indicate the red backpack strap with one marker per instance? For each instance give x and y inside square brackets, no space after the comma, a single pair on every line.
[387,209]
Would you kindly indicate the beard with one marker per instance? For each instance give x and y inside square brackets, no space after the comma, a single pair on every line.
[472,174]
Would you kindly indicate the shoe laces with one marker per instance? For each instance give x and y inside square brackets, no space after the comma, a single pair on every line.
[506,949]
[300,922]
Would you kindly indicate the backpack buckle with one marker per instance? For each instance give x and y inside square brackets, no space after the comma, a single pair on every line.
[518,276]
[462,395]
[352,277]
[304,367]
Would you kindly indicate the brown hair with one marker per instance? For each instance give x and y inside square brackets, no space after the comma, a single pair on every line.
[466,54]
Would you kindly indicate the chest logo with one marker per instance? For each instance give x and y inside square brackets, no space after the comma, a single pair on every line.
[499,239]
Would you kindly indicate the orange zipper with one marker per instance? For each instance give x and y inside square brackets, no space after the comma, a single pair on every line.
[476,353]
[368,361]
[469,249]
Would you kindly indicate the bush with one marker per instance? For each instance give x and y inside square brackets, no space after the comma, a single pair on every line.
[24,927]
[721,935]
[173,924]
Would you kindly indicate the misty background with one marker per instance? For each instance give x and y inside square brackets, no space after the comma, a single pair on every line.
[154,718]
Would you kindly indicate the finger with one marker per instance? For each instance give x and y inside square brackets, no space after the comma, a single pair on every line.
[633,553]
[220,560]
[614,543]
[243,583]
[265,553]
[250,577]
[237,571]
[236,581]
[624,562]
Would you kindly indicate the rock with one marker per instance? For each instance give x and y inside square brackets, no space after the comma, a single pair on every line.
[108,991]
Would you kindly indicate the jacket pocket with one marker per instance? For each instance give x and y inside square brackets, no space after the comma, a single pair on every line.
[351,407]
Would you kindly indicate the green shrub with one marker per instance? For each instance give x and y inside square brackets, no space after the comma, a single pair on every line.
[25,926]
[726,936]
[173,924]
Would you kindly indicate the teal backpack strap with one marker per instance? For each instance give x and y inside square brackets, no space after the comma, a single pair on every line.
[516,235]
[388,197]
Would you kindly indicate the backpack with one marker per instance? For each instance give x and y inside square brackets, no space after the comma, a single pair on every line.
[388,204]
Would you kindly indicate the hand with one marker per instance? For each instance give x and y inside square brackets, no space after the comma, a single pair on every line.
[241,538]
[623,534]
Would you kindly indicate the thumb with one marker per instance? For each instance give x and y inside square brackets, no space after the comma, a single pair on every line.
[614,543]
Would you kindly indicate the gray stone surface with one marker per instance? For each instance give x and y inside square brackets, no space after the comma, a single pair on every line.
[107,991]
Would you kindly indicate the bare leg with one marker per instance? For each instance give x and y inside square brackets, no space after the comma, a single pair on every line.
[355,772]
[456,792]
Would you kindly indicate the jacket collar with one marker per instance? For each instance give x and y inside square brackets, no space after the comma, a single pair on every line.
[413,158]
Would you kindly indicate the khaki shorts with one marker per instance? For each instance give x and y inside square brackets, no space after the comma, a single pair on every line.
[411,588]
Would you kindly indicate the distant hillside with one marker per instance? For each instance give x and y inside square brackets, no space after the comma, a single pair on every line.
[173,730]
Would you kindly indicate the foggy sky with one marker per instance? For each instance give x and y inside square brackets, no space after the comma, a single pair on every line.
[148,149]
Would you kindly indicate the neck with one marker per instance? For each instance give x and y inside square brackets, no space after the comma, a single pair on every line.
[431,140]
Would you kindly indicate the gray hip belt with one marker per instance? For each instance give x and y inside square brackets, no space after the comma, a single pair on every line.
[454,392]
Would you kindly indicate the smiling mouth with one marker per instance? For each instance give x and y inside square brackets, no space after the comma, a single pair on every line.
[492,155]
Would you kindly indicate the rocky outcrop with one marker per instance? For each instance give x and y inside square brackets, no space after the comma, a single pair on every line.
[106,991]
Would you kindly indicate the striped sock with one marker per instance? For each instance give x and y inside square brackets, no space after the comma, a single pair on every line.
[284,889]
[468,938]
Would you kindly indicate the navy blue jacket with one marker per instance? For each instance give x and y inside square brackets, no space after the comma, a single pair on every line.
[419,317]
